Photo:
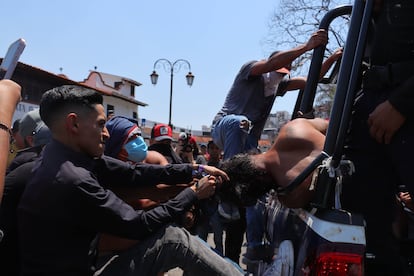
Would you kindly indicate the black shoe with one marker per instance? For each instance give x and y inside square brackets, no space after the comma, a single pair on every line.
[258,253]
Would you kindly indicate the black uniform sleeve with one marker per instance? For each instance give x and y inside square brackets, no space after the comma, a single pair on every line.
[402,98]
[103,210]
[111,171]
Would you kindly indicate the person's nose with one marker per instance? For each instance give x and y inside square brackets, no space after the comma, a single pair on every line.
[105,133]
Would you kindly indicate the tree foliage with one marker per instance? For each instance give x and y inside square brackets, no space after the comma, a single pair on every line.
[292,23]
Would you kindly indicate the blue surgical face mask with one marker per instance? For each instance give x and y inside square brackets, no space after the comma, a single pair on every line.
[136,149]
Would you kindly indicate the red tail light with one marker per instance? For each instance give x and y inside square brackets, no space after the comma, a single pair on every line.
[339,264]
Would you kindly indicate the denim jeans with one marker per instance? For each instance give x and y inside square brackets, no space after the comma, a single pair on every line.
[168,248]
[228,135]
[256,223]
[218,227]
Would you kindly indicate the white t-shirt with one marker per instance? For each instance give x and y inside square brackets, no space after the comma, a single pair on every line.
[271,82]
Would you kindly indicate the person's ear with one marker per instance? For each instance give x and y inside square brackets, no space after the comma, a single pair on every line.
[72,122]
[29,141]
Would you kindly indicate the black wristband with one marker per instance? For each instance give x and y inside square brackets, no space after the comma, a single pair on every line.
[3,126]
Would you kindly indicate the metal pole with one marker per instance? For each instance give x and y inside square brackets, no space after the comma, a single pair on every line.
[171,93]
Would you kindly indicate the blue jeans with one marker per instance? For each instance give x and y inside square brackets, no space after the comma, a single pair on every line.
[218,227]
[228,135]
[256,223]
[168,248]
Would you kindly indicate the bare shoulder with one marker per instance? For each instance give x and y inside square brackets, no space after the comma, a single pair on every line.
[301,125]
[154,157]
[259,67]
[301,133]
[318,124]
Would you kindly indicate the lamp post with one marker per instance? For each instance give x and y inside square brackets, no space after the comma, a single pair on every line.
[172,67]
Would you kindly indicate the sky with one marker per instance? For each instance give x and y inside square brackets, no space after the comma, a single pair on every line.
[126,37]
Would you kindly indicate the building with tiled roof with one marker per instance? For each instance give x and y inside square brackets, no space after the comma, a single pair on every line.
[118,92]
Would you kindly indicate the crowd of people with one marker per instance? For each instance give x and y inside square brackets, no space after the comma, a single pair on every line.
[67,205]
[84,194]
[93,187]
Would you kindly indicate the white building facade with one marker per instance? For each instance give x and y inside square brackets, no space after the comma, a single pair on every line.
[119,93]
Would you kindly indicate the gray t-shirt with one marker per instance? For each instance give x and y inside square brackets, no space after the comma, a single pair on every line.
[246,97]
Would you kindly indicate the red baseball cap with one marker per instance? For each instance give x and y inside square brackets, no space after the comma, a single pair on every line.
[161,132]
[283,70]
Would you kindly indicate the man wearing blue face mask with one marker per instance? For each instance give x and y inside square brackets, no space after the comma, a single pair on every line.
[136,149]
[126,142]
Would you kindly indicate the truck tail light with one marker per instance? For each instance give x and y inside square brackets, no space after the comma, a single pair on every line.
[339,264]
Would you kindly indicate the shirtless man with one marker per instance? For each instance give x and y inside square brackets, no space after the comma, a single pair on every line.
[299,142]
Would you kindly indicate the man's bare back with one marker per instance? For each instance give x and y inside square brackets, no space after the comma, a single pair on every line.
[298,143]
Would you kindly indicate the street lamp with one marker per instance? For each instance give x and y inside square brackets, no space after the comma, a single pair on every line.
[172,66]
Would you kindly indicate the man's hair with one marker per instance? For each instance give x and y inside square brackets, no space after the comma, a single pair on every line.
[210,143]
[65,99]
[247,182]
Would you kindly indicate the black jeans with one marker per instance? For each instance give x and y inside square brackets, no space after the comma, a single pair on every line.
[234,237]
